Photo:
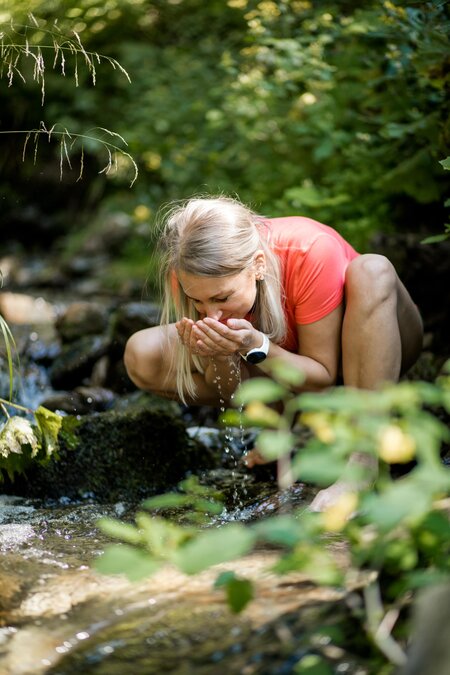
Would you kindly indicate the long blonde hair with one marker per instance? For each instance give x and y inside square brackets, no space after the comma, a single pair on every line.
[215,237]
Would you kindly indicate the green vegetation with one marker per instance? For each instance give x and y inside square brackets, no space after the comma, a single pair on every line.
[335,110]
[398,531]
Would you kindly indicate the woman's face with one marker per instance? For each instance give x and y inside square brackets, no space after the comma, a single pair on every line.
[221,298]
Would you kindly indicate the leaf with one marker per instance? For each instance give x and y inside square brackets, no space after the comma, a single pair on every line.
[283,530]
[435,239]
[239,591]
[124,559]
[213,547]
[275,444]
[259,389]
[319,467]
[119,530]
[312,664]
[402,501]
[167,501]
[285,373]
[49,424]
[445,163]
[18,432]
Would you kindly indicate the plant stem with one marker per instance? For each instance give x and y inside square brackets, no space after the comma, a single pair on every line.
[379,625]
[15,405]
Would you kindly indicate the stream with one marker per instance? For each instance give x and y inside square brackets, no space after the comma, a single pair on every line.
[58,616]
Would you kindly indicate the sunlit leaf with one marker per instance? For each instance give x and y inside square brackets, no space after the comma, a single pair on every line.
[259,389]
[119,530]
[49,424]
[312,664]
[275,444]
[285,373]
[167,501]
[214,546]
[124,559]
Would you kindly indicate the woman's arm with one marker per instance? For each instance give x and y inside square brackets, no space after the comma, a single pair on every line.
[318,354]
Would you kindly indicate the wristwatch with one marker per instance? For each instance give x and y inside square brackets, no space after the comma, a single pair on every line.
[258,354]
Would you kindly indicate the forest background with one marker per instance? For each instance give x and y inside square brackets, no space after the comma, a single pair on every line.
[335,110]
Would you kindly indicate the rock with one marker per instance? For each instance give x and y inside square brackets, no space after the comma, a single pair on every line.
[20,308]
[115,456]
[80,401]
[80,319]
[131,317]
[76,361]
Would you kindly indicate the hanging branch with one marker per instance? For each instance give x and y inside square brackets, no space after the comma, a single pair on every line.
[11,51]
[67,141]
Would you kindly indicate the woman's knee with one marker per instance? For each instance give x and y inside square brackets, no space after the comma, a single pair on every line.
[371,277]
[141,359]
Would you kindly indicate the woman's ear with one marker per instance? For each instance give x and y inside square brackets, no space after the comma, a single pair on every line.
[259,264]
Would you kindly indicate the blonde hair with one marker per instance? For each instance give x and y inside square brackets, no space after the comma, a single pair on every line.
[216,237]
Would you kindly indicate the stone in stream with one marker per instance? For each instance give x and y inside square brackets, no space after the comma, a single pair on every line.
[116,455]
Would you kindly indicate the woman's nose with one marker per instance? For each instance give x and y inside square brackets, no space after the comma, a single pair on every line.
[213,312]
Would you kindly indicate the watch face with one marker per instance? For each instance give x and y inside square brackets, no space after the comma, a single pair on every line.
[256,357]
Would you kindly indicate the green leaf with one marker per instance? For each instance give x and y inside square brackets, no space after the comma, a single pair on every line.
[312,664]
[283,530]
[167,501]
[119,530]
[8,339]
[284,373]
[315,561]
[402,501]
[239,591]
[214,546]
[124,559]
[321,467]
[49,424]
[275,444]
[435,239]
[445,163]
[259,389]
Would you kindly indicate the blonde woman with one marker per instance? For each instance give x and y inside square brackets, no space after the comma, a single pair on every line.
[244,289]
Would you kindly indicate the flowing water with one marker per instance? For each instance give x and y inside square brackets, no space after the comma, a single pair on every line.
[59,617]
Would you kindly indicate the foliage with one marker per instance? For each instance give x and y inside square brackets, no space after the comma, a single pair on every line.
[335,110]
[398,530]
[32,41]
[22,442]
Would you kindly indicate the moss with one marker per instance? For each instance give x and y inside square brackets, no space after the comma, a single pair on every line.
[118,455]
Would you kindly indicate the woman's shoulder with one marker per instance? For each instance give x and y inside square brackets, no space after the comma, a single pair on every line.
[300,230]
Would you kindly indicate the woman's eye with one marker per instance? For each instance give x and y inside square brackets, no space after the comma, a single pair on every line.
[222,299]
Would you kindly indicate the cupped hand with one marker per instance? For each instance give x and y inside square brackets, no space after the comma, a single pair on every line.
[215,338]
[185,335]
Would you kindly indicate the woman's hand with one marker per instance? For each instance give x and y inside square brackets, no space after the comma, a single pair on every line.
[214,338]
[185,334]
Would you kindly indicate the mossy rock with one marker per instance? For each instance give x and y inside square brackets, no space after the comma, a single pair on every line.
[114,456]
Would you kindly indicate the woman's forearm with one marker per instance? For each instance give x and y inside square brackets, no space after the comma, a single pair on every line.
[317,376]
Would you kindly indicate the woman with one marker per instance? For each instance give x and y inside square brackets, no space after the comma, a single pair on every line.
[246,289]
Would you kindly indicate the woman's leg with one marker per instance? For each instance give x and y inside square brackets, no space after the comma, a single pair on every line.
[150,363]
[381,339]
[382,330]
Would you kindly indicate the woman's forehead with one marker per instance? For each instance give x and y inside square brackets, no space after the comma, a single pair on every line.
[194,285]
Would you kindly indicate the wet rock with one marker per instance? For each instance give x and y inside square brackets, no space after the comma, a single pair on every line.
[113,456]
[80,401]
[82,318]
[21,308]
[76,361]
[131,317]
